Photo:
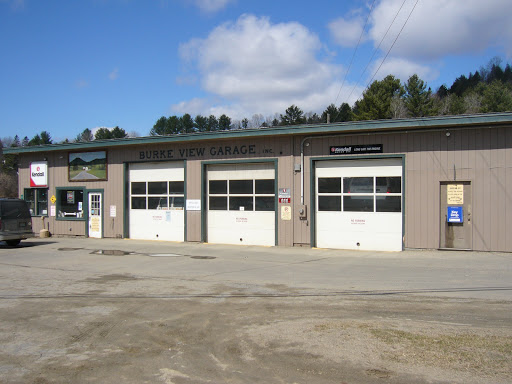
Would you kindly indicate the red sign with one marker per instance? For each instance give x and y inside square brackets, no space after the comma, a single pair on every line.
[286,200]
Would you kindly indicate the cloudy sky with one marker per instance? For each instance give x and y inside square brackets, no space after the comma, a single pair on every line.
[70,65]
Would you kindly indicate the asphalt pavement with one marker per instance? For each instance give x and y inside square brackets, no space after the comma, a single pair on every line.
[302,271]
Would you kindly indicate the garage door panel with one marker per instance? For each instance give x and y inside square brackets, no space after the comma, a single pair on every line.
[359,204]
[157,201]
[241,204]
[241,227]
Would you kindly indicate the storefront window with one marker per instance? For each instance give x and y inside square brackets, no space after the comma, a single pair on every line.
[70,203]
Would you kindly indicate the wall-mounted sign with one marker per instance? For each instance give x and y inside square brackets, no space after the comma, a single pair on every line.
[455,215]
[285,200]
[285,193]
[286,212]
[39,174]
[193,205]
[455,194]
[355,149]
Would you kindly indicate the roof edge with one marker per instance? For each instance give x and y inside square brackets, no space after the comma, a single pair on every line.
[309,129]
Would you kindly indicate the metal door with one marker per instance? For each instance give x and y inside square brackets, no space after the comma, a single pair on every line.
[456,220]
[95,215]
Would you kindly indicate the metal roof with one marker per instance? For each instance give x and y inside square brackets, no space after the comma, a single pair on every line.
[376,126]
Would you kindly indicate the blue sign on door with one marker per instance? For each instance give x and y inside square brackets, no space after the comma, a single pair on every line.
[455,215]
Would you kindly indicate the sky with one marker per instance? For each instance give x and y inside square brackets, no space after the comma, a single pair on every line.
[70,65]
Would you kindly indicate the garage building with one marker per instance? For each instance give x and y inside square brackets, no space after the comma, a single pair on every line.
[440,182]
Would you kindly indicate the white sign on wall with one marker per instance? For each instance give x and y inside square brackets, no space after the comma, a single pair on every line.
[39,174]
[193,205]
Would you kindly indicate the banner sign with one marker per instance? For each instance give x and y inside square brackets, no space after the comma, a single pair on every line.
[355,149]
[39,174]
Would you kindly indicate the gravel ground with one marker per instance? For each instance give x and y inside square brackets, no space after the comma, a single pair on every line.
[78,317]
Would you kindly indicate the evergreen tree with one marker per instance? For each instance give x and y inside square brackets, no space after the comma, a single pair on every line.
[376,101]
[293,116]
[118,133]
[201,123]
[497,97]
[160,127]
[213,124]
[187,124]
[418,99]
[224,123]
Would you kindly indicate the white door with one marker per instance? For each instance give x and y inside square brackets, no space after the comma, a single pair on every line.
[157,201]
[95,218]
[359,204]
[241,204]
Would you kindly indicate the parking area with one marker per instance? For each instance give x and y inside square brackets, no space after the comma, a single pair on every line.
[83,310]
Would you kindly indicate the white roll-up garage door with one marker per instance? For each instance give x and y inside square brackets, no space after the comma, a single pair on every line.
[157,201]
[241,204]
[359,204]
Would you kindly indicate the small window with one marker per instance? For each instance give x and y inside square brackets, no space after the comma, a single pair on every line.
[138,188]
[389,185]
[265,203]
[358,185]
[176,187]
[176,202]
[329,185]
[329,203]
[157,202]
[389,204]
[42,202]
[157,188]
[240,187]
[218,203]
[218,187]
[30,198]
[240,203]
[358,203]
[138,203]
[264,187]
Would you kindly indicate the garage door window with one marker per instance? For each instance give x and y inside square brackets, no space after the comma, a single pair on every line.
[242,195]
[360,194]
[159,195]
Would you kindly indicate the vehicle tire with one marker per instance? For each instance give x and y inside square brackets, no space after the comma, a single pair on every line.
[12,243]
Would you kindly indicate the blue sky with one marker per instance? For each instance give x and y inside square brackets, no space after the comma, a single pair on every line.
[70,65]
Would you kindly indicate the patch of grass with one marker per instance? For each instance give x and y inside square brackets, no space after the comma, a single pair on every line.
[487,354]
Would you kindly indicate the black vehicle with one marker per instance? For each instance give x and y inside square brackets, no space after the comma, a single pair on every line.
[15,221]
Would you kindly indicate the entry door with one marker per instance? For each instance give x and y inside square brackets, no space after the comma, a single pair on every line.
[95,219]
[456,216]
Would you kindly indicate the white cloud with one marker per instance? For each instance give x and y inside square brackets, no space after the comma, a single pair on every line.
[211,6]
[444,27]
[403,69]
[346,32]
[114,74]
[253,66]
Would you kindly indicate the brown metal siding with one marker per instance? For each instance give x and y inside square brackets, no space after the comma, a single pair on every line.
[482,156]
